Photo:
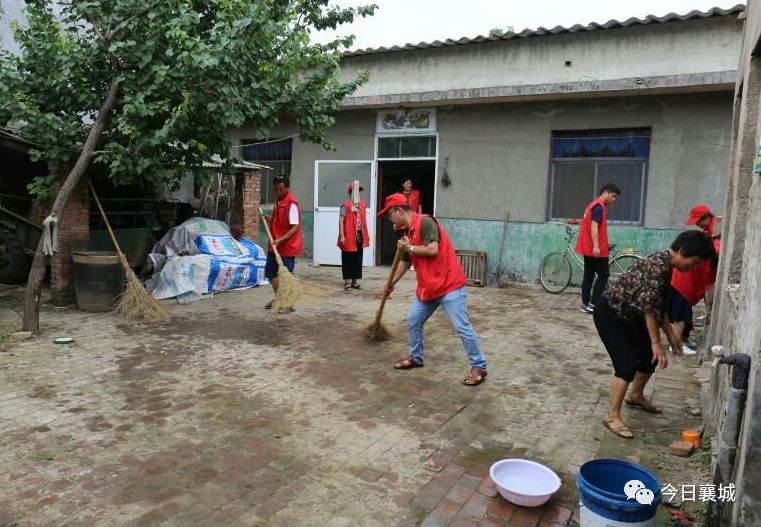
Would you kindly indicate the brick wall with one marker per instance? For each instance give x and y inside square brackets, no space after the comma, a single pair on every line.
[250,199]
[73,235]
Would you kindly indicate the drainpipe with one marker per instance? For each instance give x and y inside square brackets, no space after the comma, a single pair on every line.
[730,433]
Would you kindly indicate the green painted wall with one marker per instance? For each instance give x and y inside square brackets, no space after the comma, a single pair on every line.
[527,243]
[307,220]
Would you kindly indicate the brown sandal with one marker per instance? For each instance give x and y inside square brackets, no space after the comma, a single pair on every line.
[619,430]
[645,405]
[475,377]
[407,363]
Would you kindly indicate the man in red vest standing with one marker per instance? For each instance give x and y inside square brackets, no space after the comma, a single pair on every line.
[285,226]
[593,246]
[441,282]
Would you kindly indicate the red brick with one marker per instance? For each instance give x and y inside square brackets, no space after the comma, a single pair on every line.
[501,508]
[545,523]
[444,511]
[476,506]
[681,448]
[451,472]
[557,514]
[524,518]
[461,521]
[487,487]
[460,492]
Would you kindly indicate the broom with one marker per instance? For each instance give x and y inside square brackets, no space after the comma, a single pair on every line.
[377,331]
[136,303]
[291,290]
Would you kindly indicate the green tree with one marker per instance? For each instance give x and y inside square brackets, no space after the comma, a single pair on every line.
[148,89]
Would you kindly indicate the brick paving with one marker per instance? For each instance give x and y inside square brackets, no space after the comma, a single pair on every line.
[233,416]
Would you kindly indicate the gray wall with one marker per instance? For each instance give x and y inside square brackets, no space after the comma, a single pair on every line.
[353,133]
[499,155]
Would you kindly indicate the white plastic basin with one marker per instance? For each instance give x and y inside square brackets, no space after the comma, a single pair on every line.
[523,482]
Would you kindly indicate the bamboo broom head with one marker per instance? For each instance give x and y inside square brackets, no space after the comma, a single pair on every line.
[138,304]
[293,290]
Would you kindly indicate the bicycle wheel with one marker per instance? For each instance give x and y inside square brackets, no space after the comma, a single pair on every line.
[555,272]
[620,264]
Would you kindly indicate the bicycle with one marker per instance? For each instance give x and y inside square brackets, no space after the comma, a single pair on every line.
[556,270]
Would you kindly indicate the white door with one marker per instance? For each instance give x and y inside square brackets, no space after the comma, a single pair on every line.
[331,179]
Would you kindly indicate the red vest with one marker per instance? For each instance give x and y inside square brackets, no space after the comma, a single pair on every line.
[439,275]
[693,284]
[413,198]
[281,223]
[350,227]
[584,245]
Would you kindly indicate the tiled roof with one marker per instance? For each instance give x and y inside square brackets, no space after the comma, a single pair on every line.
[557,30]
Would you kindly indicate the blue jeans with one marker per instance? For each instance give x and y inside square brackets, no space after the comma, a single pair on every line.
[455,305]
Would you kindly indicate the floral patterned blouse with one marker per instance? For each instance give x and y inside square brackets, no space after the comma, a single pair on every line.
[642,289]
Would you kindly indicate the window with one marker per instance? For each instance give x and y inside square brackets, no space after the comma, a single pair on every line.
[584,161]
[406,147]
[273,153]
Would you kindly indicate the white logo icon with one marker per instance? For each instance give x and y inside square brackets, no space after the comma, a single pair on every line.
[645,496]
[631,488]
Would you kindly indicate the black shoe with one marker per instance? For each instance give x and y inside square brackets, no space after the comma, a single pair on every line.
[268,305]
[286,310]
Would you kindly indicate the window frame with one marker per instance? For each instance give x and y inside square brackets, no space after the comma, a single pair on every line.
[434,135]
[597,160]
[268,173]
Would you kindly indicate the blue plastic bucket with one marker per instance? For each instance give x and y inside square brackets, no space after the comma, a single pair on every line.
[604,501]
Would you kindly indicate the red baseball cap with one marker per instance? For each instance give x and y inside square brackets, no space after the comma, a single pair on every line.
[350,187]
[697,212]
[393,200]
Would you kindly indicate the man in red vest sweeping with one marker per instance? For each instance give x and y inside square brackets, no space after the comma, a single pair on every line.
[441,282]
[593,246]
[285,225]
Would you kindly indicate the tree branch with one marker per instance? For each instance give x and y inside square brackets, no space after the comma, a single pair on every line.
[121,26]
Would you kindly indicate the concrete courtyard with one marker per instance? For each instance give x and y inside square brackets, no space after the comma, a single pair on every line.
[232,415]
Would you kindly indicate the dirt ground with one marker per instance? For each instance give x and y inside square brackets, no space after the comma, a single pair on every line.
[233,415]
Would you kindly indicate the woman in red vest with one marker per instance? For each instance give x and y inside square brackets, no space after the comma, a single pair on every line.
[441,282]
[353,236]
[413,196]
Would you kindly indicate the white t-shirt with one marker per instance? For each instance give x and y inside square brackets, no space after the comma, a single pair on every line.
[293,214]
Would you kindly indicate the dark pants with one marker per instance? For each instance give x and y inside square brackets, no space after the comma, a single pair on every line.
[594,266]
[680,310]
[351,262]
[271,268]
[628,345]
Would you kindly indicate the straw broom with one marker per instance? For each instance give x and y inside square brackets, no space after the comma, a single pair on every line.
[291,289]
[377,331]
[136,303]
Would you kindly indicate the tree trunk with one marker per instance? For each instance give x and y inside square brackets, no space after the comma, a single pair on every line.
[33,296]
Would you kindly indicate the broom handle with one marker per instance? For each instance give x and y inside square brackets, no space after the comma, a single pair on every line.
[394,266]
[105,220]
[272,242]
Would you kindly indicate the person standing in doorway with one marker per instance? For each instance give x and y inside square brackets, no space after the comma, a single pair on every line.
[353,236]
[441,282]
[412,195]
[593,246]
[630,316]
[285,226]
